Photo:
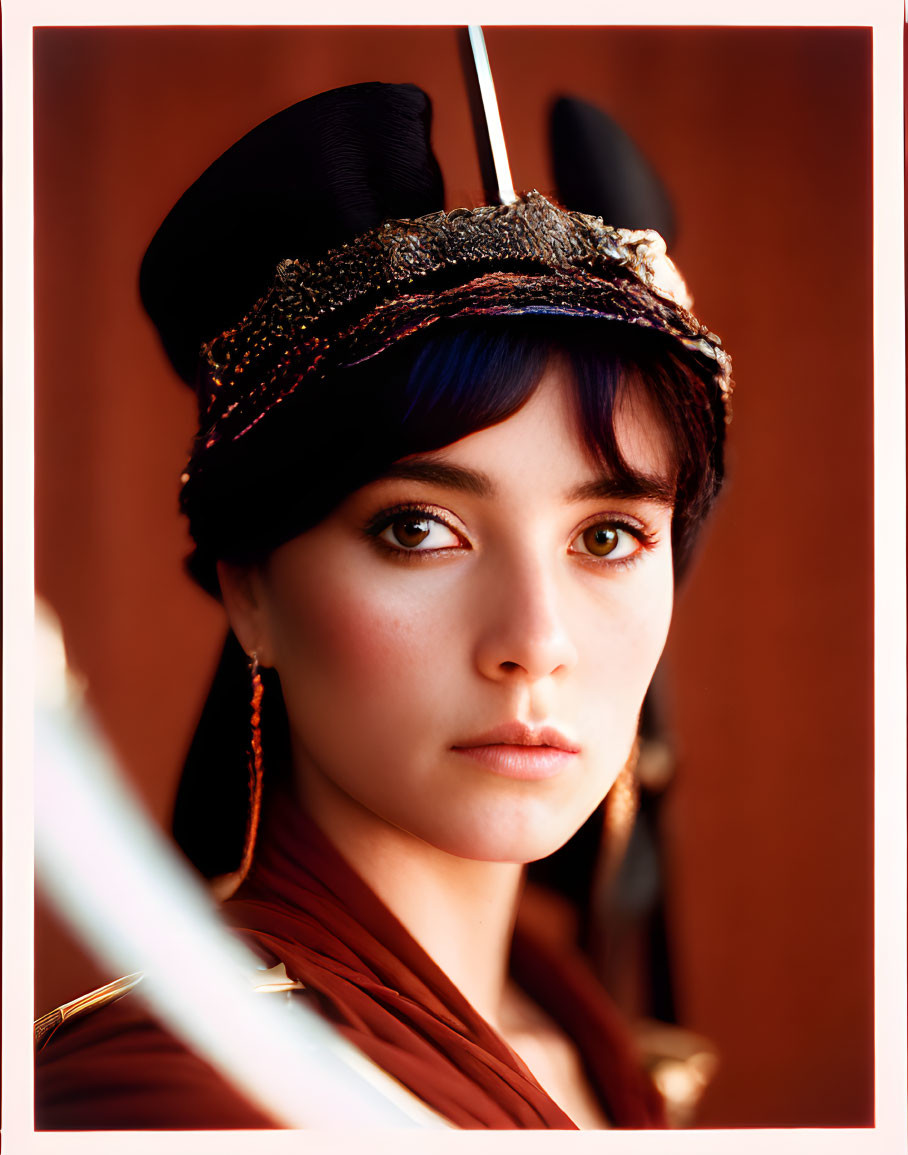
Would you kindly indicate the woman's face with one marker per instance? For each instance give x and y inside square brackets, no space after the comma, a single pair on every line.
[464,644]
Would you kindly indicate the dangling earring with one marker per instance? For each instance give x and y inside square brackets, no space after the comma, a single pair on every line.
[621,804]
[617,826]
[255,764]
[225,885]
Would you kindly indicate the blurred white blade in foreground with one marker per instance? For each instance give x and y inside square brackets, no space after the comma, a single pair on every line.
[114,878]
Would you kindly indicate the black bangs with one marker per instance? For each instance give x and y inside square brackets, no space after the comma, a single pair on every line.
[637,368]
[433,389]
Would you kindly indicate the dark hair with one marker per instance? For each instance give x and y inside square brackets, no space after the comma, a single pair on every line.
[335,435]
[423,394]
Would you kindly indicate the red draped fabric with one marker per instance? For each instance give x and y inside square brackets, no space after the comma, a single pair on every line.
[304,906]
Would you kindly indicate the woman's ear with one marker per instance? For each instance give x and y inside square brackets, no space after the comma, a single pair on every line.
[243,594]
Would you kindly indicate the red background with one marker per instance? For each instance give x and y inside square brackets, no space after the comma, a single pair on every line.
[763,138]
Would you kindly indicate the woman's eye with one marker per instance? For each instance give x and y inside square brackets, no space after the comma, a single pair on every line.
[418,532]
[607,539]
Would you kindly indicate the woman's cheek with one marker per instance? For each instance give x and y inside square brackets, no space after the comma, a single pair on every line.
[353,639]
[621,654]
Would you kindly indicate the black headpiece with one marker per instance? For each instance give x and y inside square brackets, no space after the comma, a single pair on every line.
[316,242]
[319,240]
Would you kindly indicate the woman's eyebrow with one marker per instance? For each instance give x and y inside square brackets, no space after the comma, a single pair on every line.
[441,473]
[634,486]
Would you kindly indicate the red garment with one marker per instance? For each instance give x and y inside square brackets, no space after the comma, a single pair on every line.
[303,905]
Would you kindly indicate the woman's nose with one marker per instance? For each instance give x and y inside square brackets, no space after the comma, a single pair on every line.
[524,631]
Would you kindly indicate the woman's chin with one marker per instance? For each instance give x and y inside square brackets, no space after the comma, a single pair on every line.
[508,838]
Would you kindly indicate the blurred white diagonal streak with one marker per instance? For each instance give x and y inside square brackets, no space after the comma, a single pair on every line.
[114,878]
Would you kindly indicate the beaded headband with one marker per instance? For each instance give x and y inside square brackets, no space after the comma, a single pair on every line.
[527,257]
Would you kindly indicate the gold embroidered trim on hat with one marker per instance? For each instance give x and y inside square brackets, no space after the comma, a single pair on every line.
[355,301]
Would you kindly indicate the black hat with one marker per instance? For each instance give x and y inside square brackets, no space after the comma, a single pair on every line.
[316,242]
[302,182]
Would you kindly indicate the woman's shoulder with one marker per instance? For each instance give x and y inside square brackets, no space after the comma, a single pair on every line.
[116,1068]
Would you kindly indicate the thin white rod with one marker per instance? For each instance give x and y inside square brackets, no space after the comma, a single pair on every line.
[506,194]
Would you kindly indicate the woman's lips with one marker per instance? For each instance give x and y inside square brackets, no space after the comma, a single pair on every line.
[516,750]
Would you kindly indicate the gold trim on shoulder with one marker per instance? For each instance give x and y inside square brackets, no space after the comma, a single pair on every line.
[83,1005]
[267,982]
